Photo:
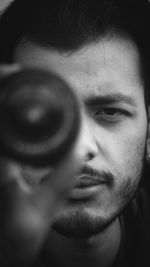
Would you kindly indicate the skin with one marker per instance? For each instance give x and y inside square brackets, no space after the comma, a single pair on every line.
[106,79]
[28,206]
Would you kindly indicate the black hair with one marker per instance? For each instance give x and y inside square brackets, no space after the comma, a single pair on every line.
[67,25]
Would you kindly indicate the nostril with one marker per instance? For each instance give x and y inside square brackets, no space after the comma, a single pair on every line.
[89,156]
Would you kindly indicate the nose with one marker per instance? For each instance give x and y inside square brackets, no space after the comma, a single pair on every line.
[88,141]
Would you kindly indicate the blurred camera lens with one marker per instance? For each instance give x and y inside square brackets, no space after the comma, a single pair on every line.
[39,117]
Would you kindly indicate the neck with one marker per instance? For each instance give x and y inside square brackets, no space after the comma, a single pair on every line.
[100,250]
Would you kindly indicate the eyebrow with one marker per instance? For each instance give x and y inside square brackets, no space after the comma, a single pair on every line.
[109,99]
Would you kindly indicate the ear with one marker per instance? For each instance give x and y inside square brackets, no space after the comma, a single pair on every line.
[148,137]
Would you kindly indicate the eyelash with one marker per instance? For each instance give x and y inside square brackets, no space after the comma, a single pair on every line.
[117,114]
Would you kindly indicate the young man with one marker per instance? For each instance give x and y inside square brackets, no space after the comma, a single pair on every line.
[101,48]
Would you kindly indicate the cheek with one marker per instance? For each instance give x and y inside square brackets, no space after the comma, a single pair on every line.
[126,166]
[130,152]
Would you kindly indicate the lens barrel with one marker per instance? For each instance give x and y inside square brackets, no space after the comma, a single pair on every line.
[39,117]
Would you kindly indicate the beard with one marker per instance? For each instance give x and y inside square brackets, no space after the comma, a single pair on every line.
[77,223]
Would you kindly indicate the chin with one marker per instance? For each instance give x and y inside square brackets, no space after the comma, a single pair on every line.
[84,220]
[80,224]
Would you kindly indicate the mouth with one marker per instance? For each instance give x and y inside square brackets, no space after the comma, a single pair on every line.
[86,187]
[88,181]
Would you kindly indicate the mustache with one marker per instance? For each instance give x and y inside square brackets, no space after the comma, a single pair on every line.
[107,176]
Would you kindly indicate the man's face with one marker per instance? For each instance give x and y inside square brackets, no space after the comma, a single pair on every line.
[106,78]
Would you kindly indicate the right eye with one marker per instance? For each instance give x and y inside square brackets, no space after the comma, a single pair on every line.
[110,114]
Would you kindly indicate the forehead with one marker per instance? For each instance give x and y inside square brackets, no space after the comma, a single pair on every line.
[108,65]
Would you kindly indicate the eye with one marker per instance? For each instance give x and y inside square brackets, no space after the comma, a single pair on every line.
[111,114]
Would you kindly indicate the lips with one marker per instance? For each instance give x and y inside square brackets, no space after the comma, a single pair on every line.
[86,187]
[86,181]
